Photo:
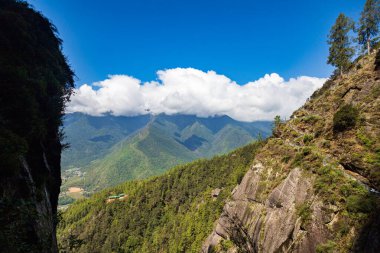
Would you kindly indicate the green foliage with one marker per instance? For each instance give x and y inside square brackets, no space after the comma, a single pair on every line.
[364,138]
[73,243]
[328,247]
[311,119]
[337,189]
[340,51]
[174,212]
[277,120]
[304,212]
[345,118]
[224,246]
[360,203]
[327,182]
[307,138]
[276,126]
[286,158]
[300,156]
[369,24]
[65,200]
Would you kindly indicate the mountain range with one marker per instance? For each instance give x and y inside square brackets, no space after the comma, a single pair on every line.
[108,150]
[313,186]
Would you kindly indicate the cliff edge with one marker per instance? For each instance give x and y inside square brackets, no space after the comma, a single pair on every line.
[35,82]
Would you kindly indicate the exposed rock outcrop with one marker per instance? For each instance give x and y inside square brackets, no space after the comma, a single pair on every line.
[312,188]
[273,225]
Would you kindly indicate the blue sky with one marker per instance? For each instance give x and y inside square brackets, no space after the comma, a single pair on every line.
[242,39]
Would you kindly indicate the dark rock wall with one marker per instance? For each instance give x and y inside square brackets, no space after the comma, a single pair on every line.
[35,83]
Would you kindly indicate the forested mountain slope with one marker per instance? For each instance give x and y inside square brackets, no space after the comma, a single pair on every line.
[137,147]
[312,187]
[91,137]
[173,212]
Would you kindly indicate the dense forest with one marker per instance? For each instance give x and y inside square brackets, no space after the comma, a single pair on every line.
[169,213]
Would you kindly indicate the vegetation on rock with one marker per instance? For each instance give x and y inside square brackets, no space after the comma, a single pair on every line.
[345,118]
[332,204]
[35,81]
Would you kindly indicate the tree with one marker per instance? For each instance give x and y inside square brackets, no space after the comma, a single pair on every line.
[277,120]
[341,51]
[276,127]
[369,24]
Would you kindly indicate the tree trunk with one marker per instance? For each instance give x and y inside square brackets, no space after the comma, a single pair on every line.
[368,46]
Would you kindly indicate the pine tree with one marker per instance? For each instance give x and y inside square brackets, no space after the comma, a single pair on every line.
[341,50]
[369,24]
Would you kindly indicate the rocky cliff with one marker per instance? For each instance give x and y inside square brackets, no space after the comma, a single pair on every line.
[35,82]
[314,187]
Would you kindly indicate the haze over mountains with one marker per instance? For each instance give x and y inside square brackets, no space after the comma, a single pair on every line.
[110,149]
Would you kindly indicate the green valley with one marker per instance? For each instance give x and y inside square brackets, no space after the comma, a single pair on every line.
[311,187]
[143,146]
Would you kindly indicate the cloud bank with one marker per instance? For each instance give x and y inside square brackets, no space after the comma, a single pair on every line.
[192,91]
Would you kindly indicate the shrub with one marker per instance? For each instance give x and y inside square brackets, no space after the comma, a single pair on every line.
[65,200]
[345,118]
[301,155]
[327,247]
[364,138]
[225,245]
[307,138]
[286,159]
[304,212]
[361,203]
[326,144]
[311,119]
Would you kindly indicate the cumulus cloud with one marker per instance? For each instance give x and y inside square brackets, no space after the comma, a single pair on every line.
[192,91]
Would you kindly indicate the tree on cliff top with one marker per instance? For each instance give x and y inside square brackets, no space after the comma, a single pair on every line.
[369,24]
[340,50]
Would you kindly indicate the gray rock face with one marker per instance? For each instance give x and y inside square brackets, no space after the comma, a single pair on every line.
[273,225]
[31,203]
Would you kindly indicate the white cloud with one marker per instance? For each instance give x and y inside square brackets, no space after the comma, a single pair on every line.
[192,91]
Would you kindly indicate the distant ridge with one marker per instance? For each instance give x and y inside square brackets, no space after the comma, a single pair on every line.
[112,149]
